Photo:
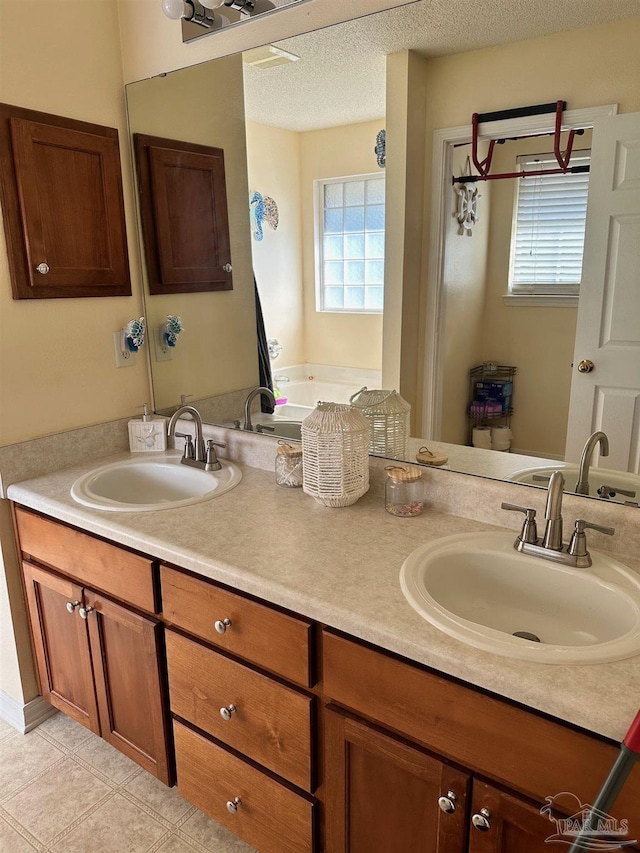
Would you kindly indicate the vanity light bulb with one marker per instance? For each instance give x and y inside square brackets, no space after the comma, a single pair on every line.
[173,9]
[212,4]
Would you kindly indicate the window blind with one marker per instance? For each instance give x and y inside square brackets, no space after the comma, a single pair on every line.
[550,219]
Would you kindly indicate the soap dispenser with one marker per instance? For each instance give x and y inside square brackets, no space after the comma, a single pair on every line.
[147,433]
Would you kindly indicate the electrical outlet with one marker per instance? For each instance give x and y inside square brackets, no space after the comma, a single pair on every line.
[124,356]
[162,351]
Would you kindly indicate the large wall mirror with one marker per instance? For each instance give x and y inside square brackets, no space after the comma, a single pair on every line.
[299,124]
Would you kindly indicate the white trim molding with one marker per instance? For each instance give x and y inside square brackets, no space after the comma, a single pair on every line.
[24,718]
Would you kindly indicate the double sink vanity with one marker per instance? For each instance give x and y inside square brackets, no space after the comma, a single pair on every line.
[259,650]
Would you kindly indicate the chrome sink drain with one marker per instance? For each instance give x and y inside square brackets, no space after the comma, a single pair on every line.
[525,635]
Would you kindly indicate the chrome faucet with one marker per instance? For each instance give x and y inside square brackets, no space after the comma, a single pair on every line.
[550,545]
[552,538]
[250,398]
[582,486]
[195,454]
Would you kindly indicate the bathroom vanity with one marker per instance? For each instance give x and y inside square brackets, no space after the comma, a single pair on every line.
[259,647]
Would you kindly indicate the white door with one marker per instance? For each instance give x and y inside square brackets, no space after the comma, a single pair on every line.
[608,330]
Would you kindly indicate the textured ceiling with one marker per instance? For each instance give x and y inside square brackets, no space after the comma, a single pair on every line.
[340,78]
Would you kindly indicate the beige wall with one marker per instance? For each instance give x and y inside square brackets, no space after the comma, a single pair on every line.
[352,340]
[205,105]
[592,66]
[274,170]
[57,361]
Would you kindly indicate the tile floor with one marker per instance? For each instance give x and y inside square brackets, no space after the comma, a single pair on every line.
[65,790]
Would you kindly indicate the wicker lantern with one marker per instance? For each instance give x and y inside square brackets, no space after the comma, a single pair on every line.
[335,454]
[388,415]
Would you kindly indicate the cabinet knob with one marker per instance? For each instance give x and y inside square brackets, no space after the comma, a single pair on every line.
[221,625]
[43,268]
[227,268]
[481,820]
[71,605]
[85,611]
[226,713]
[448,804]
[232,805]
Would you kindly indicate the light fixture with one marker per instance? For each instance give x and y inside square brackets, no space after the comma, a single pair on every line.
[201,17]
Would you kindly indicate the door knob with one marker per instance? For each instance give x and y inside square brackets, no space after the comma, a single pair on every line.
[585,366]
[226,713]
[232,805]
[481,820]
[448,804]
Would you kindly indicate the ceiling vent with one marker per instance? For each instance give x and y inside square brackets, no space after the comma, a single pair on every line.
[268,56]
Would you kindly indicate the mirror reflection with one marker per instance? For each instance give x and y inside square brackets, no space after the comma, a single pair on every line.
[299,126]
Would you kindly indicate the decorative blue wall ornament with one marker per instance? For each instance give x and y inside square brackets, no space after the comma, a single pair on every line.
[171,329]
[381,148]
[262,209]
[133,334]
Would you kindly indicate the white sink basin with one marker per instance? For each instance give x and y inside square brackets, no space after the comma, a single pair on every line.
[597,477]
[151,483]
[477,588]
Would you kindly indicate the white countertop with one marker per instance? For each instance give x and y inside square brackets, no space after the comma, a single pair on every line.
[341,567]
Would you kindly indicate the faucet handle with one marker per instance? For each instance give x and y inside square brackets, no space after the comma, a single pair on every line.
[578,545]
[212,463]
[189,450]
[529,532]
[582,525]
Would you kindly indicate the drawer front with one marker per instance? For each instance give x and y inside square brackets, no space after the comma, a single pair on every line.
[271,723]
[273,640]
[270,817]
[127,576]
[521,749]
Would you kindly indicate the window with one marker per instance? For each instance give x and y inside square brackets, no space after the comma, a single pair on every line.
[548,228]
[350,244]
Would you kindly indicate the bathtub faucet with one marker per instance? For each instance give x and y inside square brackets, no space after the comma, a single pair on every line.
[247,404]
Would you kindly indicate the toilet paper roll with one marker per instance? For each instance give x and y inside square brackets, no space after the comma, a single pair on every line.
[501,438]
[481,437]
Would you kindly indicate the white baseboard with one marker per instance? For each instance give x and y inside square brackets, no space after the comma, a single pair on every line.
[24,717]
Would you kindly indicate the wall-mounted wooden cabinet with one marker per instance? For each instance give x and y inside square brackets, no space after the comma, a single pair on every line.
[63,208]
[183,209]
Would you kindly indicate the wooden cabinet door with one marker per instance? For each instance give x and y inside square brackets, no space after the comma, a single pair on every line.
[382,794]
[513,824]
[61,645]
[125,649]
[185,221]
[62,196]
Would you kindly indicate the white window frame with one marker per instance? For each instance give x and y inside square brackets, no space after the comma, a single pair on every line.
[536,293]
[318,223]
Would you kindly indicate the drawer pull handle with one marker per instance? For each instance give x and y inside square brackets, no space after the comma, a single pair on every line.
[448,804]
[232,805]
[481,821]
[221,625]
[226,713]
[71,605]
[85,611]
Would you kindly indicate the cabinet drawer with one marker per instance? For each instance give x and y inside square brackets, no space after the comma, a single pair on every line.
[514,746]
[271,723]
[270,817]
[127,576]
[265,636]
